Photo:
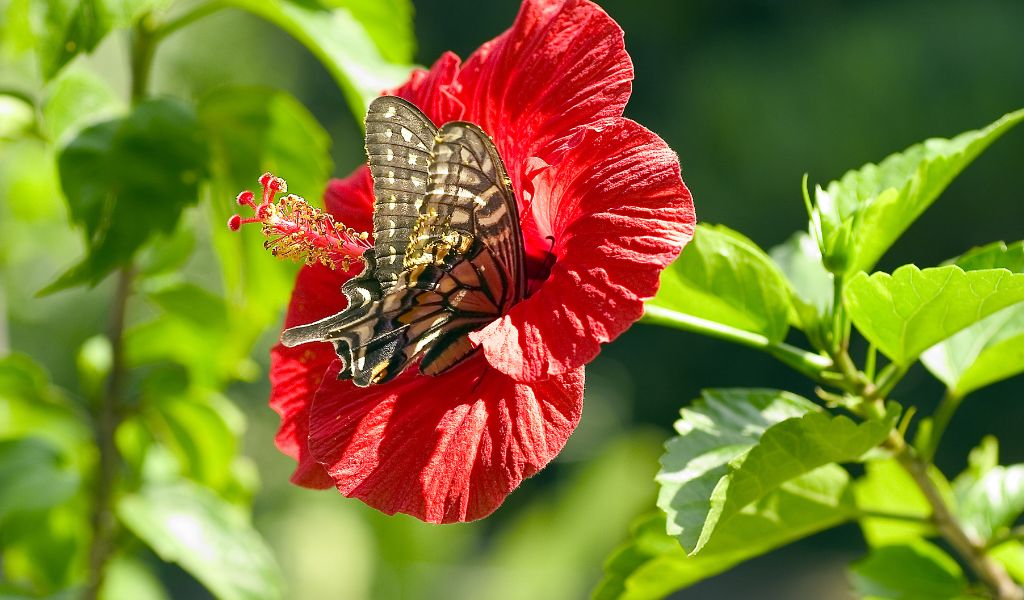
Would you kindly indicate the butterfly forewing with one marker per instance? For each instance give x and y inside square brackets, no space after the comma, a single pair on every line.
[399,139]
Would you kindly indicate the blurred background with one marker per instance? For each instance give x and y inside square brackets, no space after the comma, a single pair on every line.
[751,95]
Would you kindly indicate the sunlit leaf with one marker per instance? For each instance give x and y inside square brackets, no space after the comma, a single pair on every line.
[128,577]
[188,525]
[989,497]
[17,117]
[736,446]
[991,349]
[652,563]
[724,277]
[198,434]
[867,210]
[914,571]
[913,309]
[128,179]
[342,43]
[30,405]
[388,22]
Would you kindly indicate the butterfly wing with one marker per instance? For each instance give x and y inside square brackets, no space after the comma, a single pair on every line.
[462,269]
[399,139]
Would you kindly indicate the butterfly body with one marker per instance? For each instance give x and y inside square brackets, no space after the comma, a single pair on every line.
[448,253]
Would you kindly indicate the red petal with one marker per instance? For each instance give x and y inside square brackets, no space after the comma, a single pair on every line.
[350,200]
[432,91]
[561,65]
[443,449]
[619,213]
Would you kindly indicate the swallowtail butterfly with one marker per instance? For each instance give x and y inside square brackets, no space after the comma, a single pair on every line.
[447,256]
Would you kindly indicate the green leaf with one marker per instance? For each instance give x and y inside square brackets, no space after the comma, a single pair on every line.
[17,117]
[724,277]
[787,450]
[911,310]
[866,211]
[188,525]
[128,179]
[342,43]
[388,22]
[63,28]
[736,446]
[76,98]
[199,435]
[913,571]
[811,287]
[991,349]
[990,503]
[128,577]
[887,488]
[31,406]
[33,477]
[1011,556]
[253,130]
[653,564]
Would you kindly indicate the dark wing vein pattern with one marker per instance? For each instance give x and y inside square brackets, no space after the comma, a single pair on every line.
[459,267]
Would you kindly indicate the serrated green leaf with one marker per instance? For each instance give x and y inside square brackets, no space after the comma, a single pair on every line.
[127,179]
[911,310]
[33,477]
[341,42]
[887,488]
[717,434]
[188,525]
[867,210]
[786,450]
[991,349]
[914,571]
[724,277]
[653,564]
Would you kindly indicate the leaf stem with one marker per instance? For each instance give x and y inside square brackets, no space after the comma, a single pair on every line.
[990,572]
[940,421]
[807,363]
[198,12]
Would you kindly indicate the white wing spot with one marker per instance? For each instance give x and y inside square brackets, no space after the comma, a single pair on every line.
[388,133]
[412,159]
[479,201]
[390,112]
[406,134]
[391,155]
[391,176]
[416,181]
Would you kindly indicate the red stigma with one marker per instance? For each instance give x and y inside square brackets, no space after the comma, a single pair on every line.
[297,230]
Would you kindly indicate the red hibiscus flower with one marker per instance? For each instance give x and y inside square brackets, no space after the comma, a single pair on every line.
[604,210]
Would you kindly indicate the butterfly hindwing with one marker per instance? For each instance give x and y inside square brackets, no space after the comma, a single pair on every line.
[399,139]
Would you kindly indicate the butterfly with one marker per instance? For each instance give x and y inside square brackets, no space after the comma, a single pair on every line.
[447,256]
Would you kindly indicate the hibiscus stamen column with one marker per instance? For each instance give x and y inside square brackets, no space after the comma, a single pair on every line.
[299,231]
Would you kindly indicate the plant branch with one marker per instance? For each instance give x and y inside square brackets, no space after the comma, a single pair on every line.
[990,572]
[940,421]
[807,363]
[106,418]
